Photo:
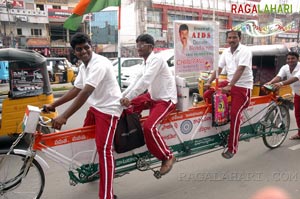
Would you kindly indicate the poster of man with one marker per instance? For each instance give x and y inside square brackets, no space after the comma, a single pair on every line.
[196,46]
[184,38]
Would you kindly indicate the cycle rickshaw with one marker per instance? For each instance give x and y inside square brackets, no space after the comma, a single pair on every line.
[189,133]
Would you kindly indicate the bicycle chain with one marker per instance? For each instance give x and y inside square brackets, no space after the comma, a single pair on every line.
[15,142]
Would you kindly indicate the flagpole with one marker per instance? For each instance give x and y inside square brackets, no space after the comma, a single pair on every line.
[119,44]
[90,25]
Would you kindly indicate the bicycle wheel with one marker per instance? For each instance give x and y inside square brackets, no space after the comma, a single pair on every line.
[31,186]
[275,129]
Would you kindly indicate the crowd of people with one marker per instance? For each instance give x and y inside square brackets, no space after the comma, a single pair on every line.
[155,89]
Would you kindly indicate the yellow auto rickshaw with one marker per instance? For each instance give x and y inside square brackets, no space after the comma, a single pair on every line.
[28,85]
[60,70]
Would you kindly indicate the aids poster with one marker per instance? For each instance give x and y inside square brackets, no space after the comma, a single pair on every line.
[196,47]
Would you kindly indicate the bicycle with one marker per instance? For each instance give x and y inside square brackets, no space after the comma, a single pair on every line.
[22,171]
[276,123]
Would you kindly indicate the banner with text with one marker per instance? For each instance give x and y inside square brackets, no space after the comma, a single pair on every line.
[196,46]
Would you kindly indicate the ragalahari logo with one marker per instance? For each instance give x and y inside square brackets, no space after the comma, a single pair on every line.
[262,9]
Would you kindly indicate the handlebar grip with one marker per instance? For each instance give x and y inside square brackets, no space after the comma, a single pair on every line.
[269,87]
[44,109]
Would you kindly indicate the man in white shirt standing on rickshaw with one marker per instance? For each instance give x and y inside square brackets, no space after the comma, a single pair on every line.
[290,71]
[154,88]
[237,61]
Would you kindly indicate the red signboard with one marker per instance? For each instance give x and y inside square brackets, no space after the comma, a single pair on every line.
[12,4]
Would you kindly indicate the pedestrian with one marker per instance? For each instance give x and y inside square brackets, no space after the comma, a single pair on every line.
[154,88]
[237,62]
[290,71]
[97,85]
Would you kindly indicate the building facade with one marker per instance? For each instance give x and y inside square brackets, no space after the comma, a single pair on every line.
[38,24]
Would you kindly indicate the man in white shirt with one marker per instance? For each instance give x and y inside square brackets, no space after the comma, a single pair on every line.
[97,85]
[290,71]
[237,61]
[161,97]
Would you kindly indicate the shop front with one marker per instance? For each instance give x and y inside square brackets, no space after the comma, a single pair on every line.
[41,45]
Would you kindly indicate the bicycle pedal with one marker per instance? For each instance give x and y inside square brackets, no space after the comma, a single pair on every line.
[72,183]
[157,174]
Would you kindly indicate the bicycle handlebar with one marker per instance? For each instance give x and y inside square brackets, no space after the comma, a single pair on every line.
[45,110]
[269,87]
[43,120]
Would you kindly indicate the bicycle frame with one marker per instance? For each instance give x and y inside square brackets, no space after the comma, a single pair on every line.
[189,134]
[44,142]
[201,137]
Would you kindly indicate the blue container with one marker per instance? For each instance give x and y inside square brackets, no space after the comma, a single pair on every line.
[4,70]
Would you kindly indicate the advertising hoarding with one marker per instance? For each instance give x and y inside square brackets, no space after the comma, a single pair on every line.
[196,47]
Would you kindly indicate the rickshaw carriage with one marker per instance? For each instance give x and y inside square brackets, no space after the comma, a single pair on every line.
[189,133]
[28,84]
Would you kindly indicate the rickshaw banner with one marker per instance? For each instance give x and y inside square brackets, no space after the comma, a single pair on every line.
[196,46]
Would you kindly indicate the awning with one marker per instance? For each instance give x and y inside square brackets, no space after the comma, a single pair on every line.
[38,42]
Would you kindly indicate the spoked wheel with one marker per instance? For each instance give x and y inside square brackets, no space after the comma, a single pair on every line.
[12,186]
[276,129]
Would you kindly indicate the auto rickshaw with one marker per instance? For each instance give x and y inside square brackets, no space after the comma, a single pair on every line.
[3,71]
[28,85]
[60,70]
[266,62]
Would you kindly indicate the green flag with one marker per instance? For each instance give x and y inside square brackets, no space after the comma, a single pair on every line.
[85,7]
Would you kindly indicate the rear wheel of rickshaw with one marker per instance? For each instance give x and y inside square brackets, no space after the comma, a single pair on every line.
[276,126]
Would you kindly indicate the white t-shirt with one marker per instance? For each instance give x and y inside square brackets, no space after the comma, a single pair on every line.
[242,56]
[100,75]
[285,72]
[157,78]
